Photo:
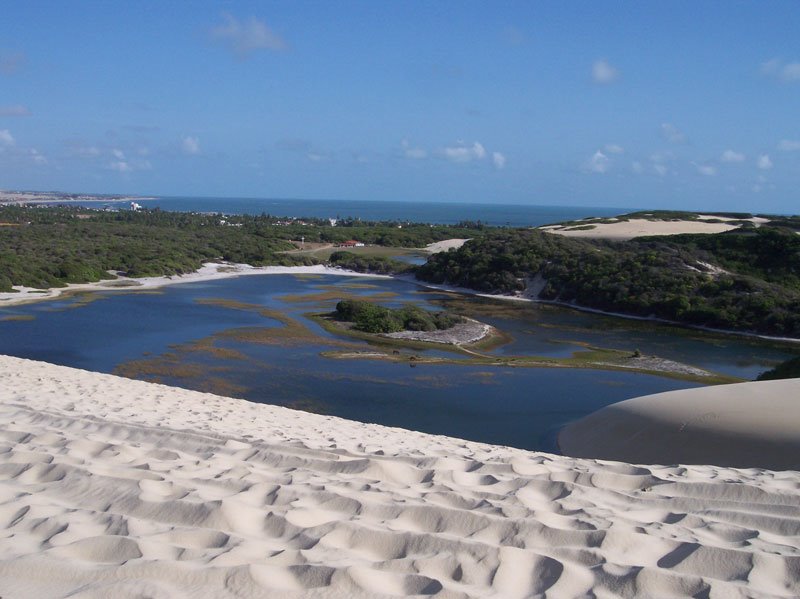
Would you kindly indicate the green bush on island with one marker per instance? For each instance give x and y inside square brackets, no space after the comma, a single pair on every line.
[790,369]
[373,318]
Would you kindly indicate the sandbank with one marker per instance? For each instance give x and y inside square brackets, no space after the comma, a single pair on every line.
[210,271]
[117,488]
[745,425]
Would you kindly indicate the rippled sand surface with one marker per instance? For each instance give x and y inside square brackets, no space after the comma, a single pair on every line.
[118,488]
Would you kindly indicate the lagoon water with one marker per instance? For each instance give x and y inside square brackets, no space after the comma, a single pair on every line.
[165,336]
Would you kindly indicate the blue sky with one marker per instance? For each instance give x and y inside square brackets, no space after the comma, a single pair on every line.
[671,105]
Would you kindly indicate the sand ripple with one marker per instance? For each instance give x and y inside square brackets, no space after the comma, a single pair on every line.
[116,488]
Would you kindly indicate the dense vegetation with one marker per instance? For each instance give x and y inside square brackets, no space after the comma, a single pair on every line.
[747,280]
[50,247]
[786,370]
[372,318]
[372,264]
[743,280]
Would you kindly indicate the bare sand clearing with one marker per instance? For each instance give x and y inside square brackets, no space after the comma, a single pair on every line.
[443,246]
[742,425]
[208,272]
[118,488]
[639,227]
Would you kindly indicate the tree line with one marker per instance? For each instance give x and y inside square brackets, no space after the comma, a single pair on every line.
[744,280]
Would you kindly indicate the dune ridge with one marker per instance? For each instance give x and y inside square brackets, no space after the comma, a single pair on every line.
[118,488]
[746,425]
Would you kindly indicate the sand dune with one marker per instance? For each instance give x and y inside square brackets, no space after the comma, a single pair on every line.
[443,246]
[743,425]
[118,488]
[638,227]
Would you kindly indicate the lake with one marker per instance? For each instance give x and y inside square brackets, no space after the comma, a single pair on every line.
[248,337]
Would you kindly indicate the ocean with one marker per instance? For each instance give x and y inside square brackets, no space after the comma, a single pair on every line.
[510,215]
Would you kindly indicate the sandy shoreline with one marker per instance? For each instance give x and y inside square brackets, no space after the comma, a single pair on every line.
[117,488]
[215,271]
[534,300]
[208,272]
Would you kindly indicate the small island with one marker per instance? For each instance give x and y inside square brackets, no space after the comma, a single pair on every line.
[410,323]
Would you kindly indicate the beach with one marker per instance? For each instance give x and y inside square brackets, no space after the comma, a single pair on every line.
[118,488]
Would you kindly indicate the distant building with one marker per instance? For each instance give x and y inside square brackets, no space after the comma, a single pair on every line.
[135,207]
[352,243]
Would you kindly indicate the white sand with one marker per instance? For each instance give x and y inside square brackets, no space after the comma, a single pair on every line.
[743,425]
[636,227]
[111,488]
[443,246]
[208,272]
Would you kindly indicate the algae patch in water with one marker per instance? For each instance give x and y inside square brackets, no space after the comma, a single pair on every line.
[335,295]
[18,317]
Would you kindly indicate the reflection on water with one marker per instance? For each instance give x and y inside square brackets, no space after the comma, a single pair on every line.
[247,337]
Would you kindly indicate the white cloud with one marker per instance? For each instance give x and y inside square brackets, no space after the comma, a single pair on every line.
[121,166]
[118,154]
[763,162]
[81,151]
[791,72]
[659,162]
[636,167]
[785,71]
[499,160]
[789,145]
[190,145]
[15,110]
[614,149]
[705,169]
[598,163]
[771,67]
[672,134]
[416,153]
[603,73]
[6,139]
[462,152]
[411,152]
[11,62]
[514,36]
[731,156]
[37,157]
[243,37]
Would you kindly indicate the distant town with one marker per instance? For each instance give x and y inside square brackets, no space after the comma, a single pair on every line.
[50,197]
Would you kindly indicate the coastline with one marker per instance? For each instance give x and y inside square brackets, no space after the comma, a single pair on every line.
[153,490]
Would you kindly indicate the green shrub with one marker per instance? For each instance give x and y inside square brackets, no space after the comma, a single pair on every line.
[372,318]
